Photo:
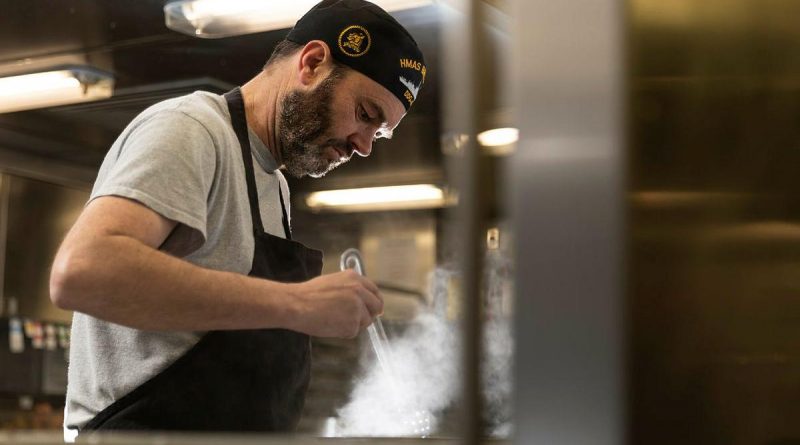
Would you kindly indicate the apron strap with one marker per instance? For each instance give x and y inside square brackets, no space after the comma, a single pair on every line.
[239,123]
[287,228]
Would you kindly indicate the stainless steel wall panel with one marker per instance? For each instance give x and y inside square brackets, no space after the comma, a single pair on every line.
[715,221]
[566,182]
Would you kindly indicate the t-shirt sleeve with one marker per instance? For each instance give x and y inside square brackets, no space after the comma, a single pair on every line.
[166,162]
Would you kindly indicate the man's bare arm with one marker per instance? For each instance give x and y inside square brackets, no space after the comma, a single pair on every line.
[109,267]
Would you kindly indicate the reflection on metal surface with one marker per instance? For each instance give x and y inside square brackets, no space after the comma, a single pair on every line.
[499,141]
[576,148]
[495,142]
[714,242]
[567,202]
[767,231]
[493,238]
[454,143]
[688,199]
[498,136]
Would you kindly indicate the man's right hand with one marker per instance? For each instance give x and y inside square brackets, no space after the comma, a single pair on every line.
[336,305]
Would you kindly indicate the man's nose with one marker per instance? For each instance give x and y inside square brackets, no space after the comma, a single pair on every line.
[362,145]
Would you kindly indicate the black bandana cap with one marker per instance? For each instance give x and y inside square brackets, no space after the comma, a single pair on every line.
[367,39]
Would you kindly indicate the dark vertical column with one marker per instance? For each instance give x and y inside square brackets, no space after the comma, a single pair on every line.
[464,94]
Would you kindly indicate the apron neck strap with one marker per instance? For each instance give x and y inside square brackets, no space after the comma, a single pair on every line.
[239,123]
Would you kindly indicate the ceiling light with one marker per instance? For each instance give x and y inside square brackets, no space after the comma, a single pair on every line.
[498,136]
[213,19]
[400,197]
[51,88]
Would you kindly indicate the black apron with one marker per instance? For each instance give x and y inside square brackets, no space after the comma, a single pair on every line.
[242,380]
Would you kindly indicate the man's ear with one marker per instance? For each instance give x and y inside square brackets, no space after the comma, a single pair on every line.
[314,63]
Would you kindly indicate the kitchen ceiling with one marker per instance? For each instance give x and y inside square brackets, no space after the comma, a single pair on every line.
[151,63]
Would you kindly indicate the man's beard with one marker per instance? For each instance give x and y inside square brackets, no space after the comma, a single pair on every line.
[305,120]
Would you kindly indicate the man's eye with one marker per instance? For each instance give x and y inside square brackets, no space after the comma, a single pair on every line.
[363,115]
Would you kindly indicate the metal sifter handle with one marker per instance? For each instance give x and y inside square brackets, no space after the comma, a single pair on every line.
[419,421]
[351,259]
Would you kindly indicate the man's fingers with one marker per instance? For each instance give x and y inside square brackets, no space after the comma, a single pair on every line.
[371,286]
[366,318]
[373,303]
[363,298]
[370,294]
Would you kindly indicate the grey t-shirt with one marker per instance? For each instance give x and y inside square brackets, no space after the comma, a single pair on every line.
[180,158]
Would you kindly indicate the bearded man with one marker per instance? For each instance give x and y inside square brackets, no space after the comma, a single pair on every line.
[193,305]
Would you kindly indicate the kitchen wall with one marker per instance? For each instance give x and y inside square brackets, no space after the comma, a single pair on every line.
[37,216]
[34,334]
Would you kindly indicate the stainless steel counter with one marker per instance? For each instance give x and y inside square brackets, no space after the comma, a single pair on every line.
[33,438]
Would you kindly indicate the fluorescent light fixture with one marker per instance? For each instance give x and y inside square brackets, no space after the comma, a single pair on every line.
[398,197]
[51,88]
[214,19]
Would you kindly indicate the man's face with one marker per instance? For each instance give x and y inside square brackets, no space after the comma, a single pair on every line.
[344,114]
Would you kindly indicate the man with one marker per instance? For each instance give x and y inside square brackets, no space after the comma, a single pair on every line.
[193,306]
